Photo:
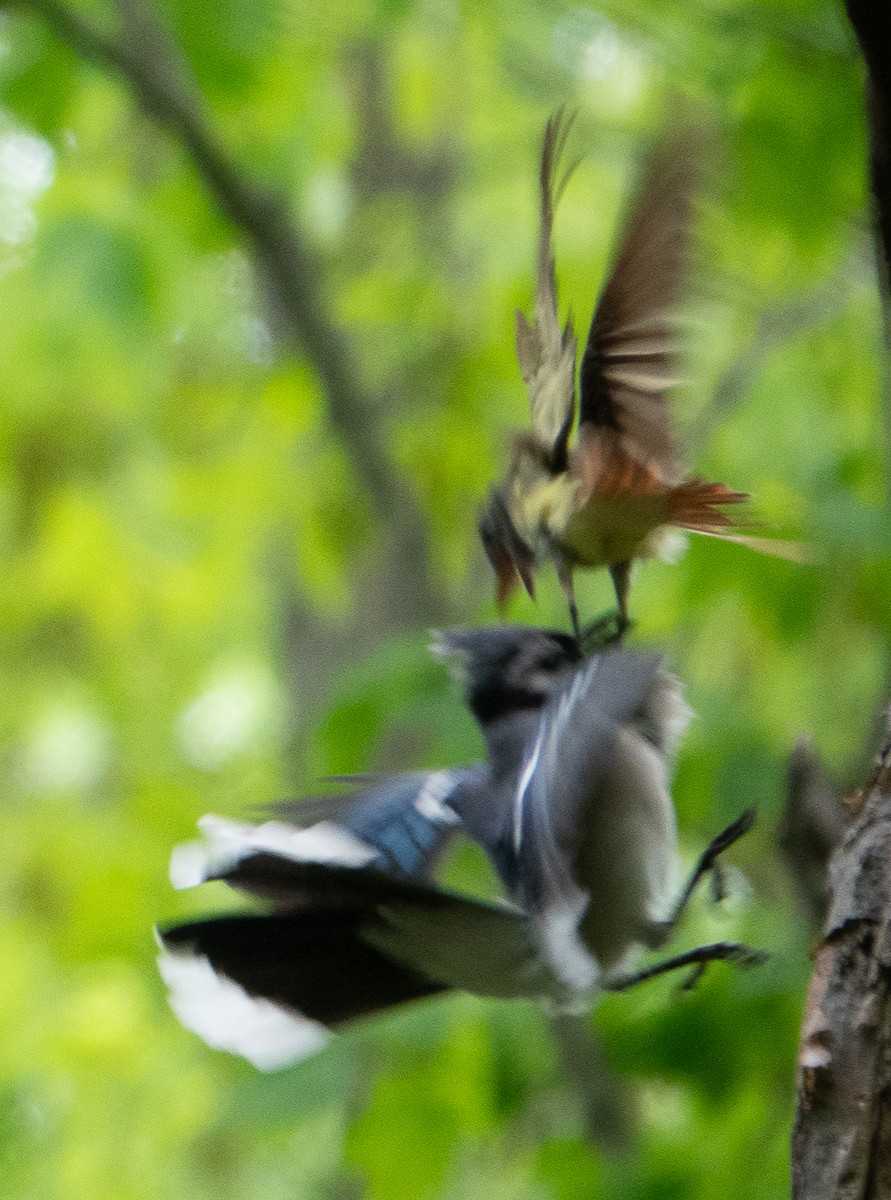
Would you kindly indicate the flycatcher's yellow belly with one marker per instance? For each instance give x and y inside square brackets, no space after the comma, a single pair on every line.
[612,529]
[604,530]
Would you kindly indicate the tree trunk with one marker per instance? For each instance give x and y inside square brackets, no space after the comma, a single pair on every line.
[841,1146]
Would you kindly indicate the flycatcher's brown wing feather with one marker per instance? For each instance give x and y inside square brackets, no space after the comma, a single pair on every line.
[545,351]
[629,365]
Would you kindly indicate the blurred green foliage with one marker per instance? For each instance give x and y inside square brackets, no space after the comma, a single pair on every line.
[202,611]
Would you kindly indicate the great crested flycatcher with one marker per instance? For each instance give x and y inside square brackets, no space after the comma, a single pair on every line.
[611,497]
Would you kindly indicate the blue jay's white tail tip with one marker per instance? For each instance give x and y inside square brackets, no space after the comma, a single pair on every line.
[228,1018]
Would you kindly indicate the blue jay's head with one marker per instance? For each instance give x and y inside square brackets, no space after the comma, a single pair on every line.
[505,669]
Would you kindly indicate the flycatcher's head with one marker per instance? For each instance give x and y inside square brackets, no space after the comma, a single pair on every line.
[509,555]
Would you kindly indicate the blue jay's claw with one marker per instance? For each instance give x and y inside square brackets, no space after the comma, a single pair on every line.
[736,953]
[744,957]
[708,862]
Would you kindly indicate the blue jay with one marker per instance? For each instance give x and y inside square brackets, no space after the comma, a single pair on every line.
[573,807]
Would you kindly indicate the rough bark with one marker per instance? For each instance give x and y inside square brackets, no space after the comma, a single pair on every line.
[841,1146]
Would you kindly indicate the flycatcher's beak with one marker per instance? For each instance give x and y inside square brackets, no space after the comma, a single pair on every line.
[527,576]
[506,574]
[506,581]
[508,554]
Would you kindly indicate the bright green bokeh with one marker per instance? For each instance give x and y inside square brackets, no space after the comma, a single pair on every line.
[191,592]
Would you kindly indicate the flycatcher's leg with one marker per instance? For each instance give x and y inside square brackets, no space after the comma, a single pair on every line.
[564,575]
[607,630]
[621,576]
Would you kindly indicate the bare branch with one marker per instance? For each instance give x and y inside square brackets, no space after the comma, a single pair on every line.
[382,162]
[810,828]
[604,1097]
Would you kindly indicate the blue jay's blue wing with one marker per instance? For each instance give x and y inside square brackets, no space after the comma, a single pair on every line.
[398,824]
[408,819]
[340,943]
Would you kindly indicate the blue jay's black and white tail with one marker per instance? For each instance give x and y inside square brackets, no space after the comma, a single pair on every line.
[339,943]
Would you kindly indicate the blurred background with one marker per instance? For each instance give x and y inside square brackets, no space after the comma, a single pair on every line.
[259,264]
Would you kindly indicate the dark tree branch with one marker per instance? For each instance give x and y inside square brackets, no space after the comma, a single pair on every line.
[841,1145]
[383,163]
[810,828]
[604,1098]
[871,20]
[289,269]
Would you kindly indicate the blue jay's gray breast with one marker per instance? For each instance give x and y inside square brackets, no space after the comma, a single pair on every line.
[627,856]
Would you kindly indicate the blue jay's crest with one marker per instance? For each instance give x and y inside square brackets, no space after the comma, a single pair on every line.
[505,669]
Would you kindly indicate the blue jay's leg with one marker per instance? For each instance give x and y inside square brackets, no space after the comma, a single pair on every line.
[734,952]
[708,861]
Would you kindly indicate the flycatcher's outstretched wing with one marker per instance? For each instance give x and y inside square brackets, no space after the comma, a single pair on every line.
[630,360]
[545,351]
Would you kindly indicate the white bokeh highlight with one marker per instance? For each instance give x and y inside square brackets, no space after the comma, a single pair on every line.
[231,717]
